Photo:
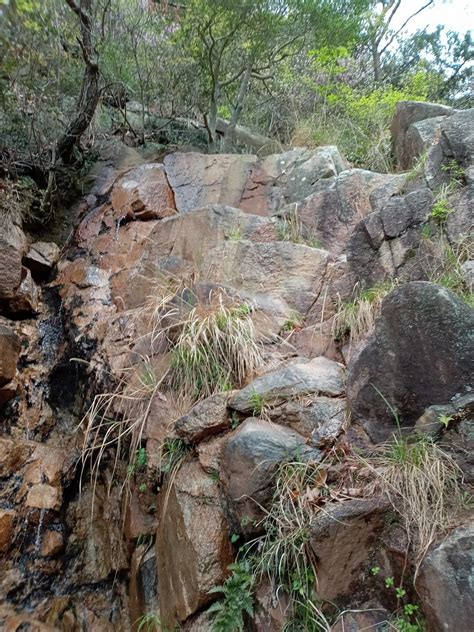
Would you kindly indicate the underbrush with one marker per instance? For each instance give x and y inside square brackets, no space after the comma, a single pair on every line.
[424,486]
[196,348]
[355,320]
[443,261]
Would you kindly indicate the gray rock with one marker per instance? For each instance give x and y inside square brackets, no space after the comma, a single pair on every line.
[207,418]
[385,243]
[421,354]
[297,379]
[446,583]
[408,113]
[457,137]
[320,419]
[249,460]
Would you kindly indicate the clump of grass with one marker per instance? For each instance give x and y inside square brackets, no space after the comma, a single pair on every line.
[442,207]
[424,485]
[356,319]
[149,622]
[283,554]
[291,228]
[445,267]
[216,348]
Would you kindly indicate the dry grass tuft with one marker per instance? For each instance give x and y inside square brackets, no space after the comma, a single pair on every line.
[424,486]
[356,319]
[196,348]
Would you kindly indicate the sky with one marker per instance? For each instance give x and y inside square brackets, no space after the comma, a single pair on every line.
[455,15]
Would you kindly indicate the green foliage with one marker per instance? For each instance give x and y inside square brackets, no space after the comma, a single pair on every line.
[149,622]
[258,403]
[406,617]
[237,599]
[173,453]
[442,208]
[139,463]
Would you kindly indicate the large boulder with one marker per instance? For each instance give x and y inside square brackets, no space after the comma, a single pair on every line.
[198,180]
[330,213]
[421,354]
[343,538]
[193,546]
[282,270]
[249,460]
[446,583]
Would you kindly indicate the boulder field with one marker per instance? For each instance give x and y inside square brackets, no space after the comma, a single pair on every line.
[123,493]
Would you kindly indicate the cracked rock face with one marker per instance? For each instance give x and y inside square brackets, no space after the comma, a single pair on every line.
[78,325]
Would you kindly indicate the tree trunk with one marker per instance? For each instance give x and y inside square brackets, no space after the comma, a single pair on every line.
[238,107]
[90,91]
[376,63]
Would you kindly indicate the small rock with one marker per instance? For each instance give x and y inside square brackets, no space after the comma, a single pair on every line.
[41,258]
[7,521]
[9,352]
[26,299]
[249,459]
[13,455]
[51,543]
[8,392]
[446,583]
[144,194]
[298,379]
[207,418]
[44,496]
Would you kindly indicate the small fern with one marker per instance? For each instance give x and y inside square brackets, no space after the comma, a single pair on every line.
[237,599]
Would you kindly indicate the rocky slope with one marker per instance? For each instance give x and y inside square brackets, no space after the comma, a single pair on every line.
[89,543]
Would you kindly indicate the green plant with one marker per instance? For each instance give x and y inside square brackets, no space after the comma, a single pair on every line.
[455,171]
[149,622]
[258,403]
[173,452]
[291,324]
[143,488]
[406,616]
[236,233]
[237,599]
[445,420]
